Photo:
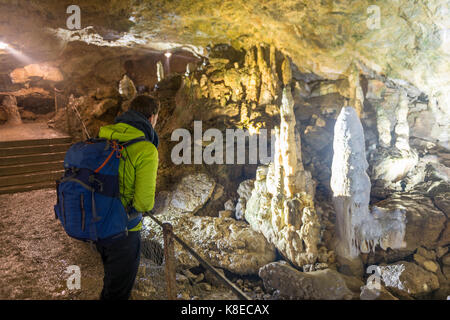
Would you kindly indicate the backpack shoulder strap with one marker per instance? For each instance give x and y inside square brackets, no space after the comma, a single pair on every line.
[128,143]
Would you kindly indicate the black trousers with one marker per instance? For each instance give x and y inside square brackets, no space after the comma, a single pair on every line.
[121,263]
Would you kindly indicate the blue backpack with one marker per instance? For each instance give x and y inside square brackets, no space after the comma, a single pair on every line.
[88,196]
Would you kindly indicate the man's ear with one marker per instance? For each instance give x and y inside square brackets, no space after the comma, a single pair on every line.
[153,119]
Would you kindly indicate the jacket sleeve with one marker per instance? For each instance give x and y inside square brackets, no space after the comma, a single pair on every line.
[145,182]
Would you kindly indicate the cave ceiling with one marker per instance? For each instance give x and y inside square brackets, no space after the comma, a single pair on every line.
[401,39]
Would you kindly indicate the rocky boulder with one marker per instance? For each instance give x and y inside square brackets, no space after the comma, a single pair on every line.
[408,279]
[224,242]
[244,191]
[189,195]
[424,222]
[292,284]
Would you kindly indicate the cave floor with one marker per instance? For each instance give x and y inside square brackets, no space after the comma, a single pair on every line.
[28,131]
[35,253]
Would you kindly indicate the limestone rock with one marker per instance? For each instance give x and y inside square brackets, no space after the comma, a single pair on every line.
[424,223]
[126,88]
[408,278]
[375,89]
[244,191]
[391,166]
[190,194]
[229,205]
[3,115]
[226,214]
[446,260]
[441,251]
[27,115]
[9,105]
[368,293]
[426,264]
[442,201]
[106,92]
[224,242]
[41,70]
[358,229]
[295,285]
[281,205]
[317,137]
[103,107]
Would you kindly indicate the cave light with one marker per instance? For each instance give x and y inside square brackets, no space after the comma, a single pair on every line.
[168,54]
[17,54]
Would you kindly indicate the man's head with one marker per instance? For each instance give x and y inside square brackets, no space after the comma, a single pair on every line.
[147,106]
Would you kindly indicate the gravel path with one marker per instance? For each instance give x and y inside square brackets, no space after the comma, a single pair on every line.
[35,251]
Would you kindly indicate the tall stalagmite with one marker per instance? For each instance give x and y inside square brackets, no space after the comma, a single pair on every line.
[358,229]
[281,205]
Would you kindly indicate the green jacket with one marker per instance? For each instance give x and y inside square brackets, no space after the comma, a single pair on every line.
[137,169]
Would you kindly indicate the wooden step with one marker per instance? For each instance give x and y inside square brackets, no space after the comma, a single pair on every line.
[27,187]
[30,167]
[31,158]
[34,142]
[30,178]
[15,151]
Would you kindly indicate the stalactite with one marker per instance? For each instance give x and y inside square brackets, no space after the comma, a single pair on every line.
[356,93]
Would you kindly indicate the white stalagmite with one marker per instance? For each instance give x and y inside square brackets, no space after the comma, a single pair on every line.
[358,229]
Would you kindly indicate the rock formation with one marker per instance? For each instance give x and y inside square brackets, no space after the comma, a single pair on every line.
[281,205]
[9,105]
[295,285]
[224,242]
[359,230]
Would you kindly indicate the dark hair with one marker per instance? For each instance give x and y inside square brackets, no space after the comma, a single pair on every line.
[145,105]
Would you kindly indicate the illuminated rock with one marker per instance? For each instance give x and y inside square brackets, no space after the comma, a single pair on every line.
[281,206]
[358,229]
[407,278]
[42,70]
[126,88]
[159,71]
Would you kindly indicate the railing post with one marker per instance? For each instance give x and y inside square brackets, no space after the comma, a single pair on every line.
[169,257]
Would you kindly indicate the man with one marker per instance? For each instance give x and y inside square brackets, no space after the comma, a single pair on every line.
[137,174]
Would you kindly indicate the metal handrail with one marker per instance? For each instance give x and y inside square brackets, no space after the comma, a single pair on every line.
[81,120]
